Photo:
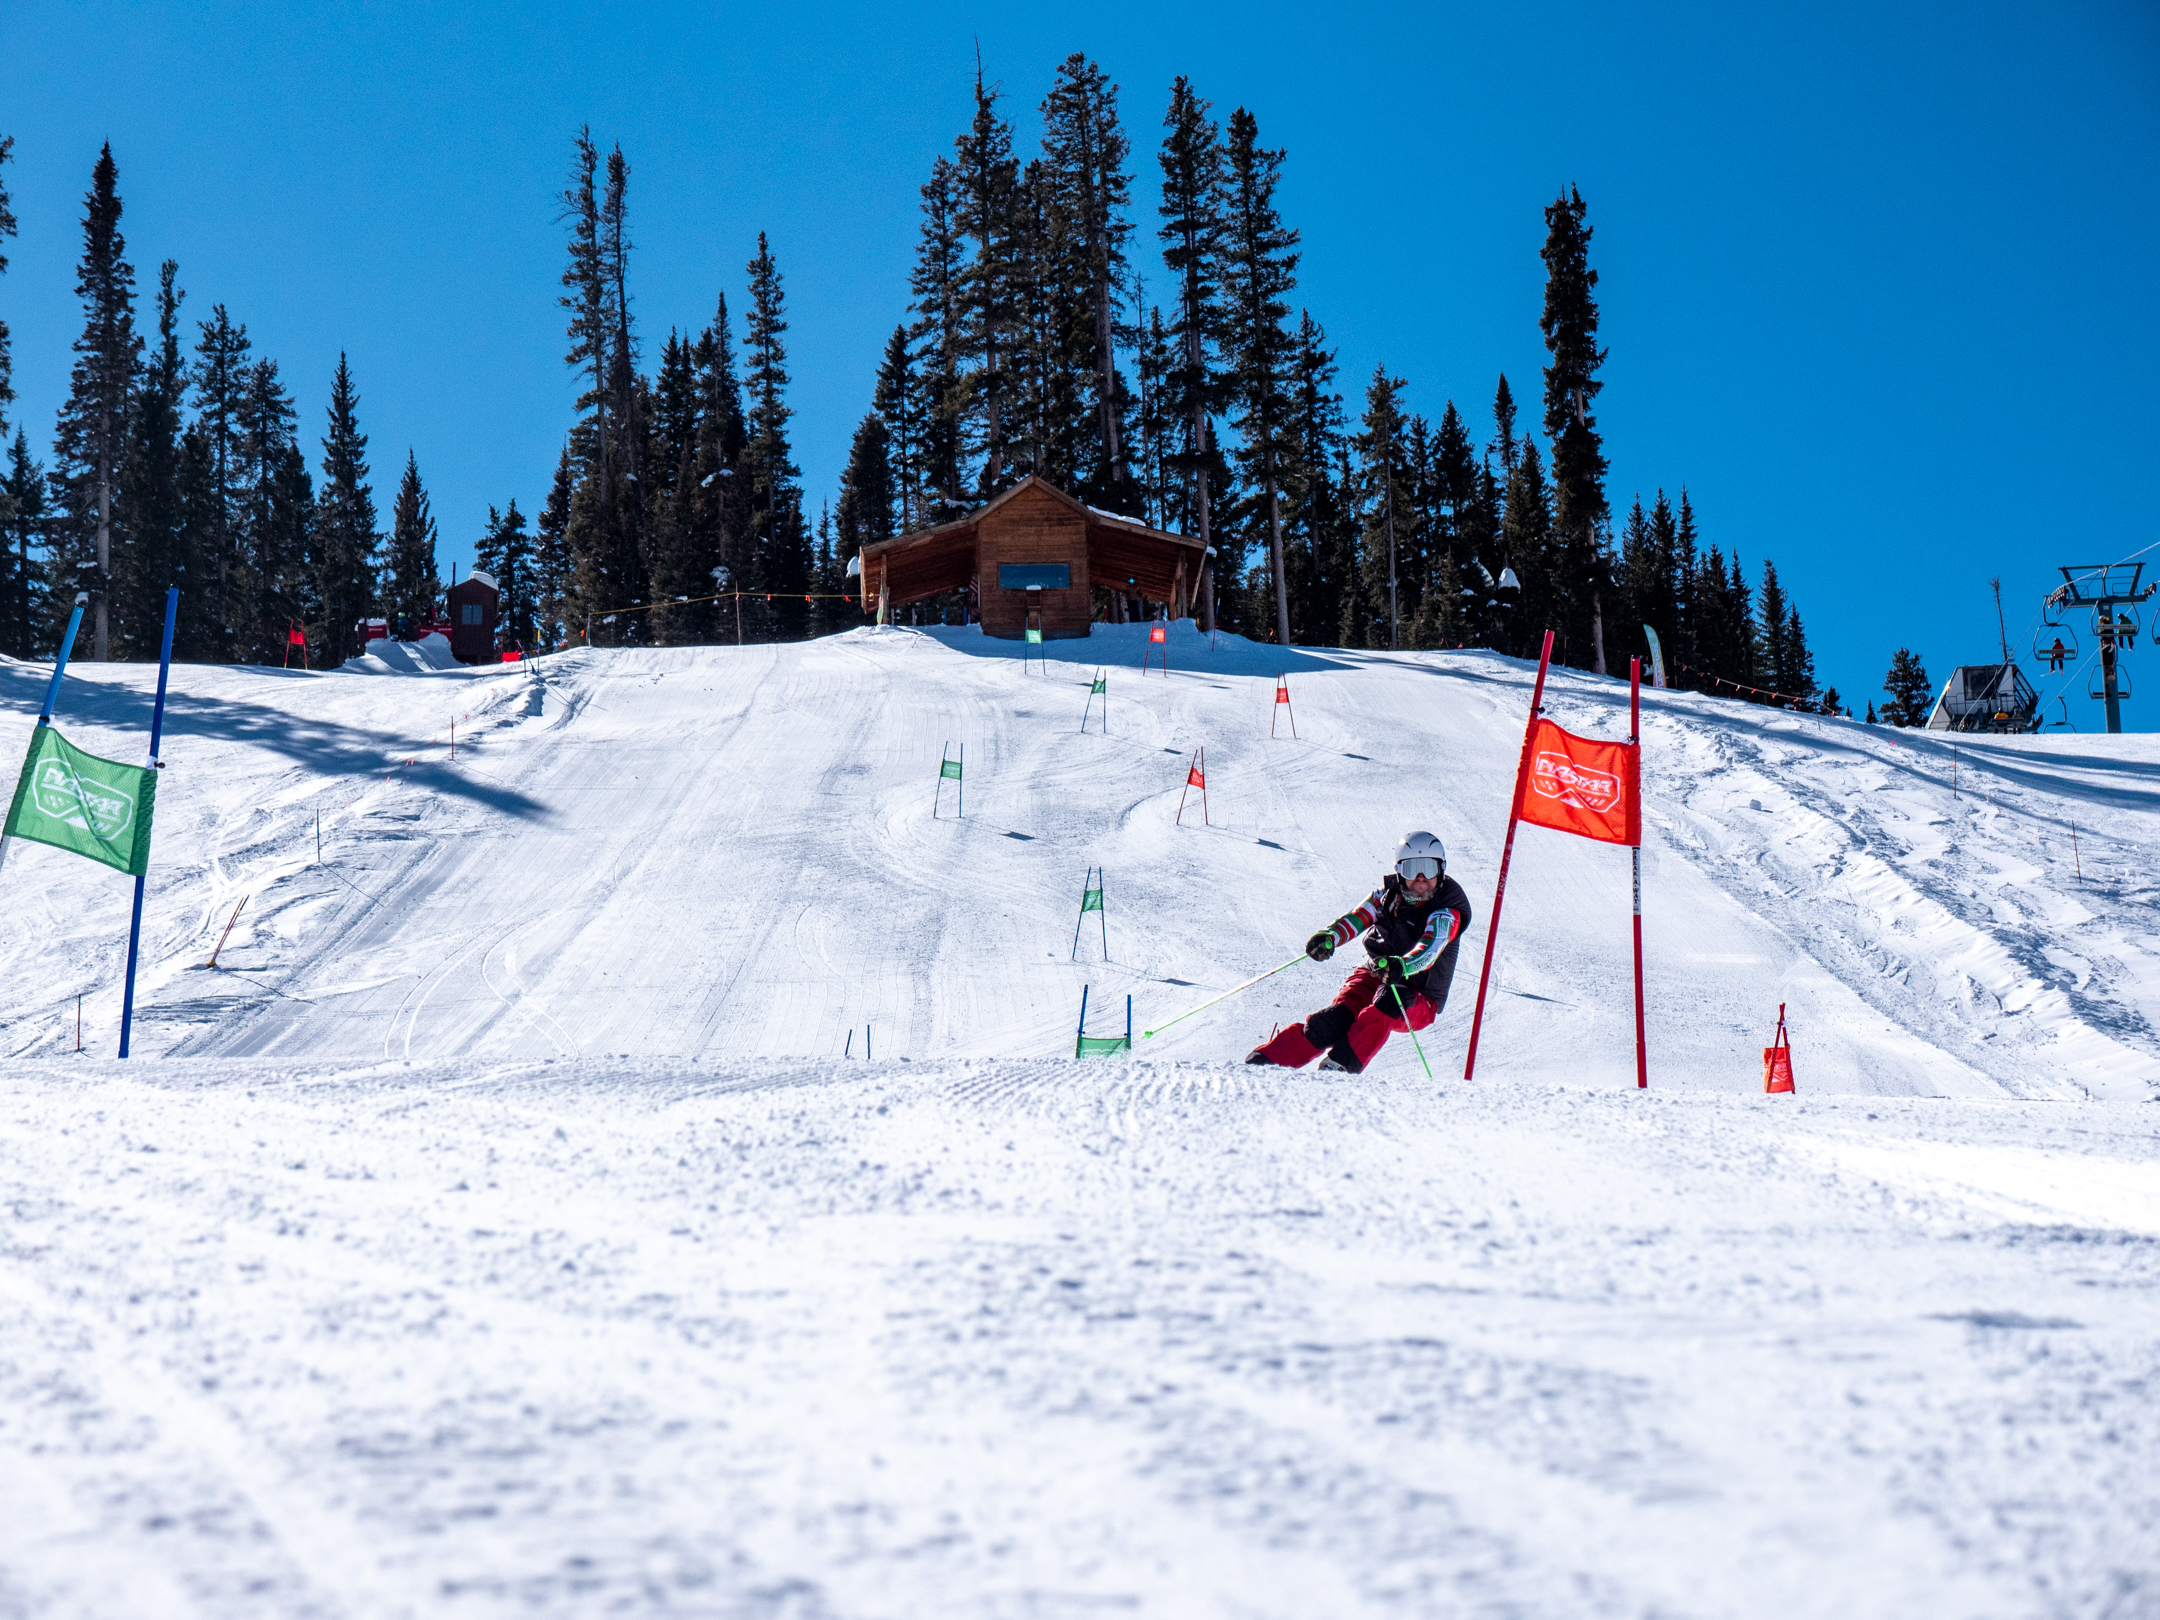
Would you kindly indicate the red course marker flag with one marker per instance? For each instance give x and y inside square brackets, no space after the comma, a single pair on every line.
[1574,785]
[1580,785]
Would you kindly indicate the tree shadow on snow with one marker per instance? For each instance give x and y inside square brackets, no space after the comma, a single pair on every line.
[328,747]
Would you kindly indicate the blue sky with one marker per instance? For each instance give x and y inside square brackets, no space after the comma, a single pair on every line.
[1877,281]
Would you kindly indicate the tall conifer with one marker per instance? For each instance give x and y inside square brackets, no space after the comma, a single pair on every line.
[344,536]
[781,543]
[22,529]
[409,591]
[1260,261]
[1191,159]
[92,436]
[277,512]
[161,506]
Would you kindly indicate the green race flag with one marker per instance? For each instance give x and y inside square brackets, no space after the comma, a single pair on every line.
[76,801]
[950,770]
[1088,1046]
[1034,635]
[1100,686]
[1091,900]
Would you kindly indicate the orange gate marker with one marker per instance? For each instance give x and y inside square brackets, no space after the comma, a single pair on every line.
[1155,638]
[1195,777]
[1282,701]
[1777,1058]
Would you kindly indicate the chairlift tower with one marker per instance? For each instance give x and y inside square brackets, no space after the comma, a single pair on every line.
[2105,587]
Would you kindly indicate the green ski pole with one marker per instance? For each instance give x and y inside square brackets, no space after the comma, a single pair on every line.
[1396,991]
[1148,1034]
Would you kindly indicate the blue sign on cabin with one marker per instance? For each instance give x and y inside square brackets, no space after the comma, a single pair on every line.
[1034,576]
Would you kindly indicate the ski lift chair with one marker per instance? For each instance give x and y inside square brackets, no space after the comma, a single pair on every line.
[2096,681]
[2124,625]
[2055,645]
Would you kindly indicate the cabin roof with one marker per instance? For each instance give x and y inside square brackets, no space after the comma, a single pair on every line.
[943,558]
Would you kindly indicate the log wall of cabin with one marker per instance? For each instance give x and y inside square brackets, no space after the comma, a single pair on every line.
[1033,529]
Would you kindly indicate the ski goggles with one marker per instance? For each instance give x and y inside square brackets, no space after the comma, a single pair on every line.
[1418,866]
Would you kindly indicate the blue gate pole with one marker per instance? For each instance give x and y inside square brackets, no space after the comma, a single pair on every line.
[52,689]
[157,729]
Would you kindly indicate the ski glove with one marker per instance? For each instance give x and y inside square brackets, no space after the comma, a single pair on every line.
[1390,968]
[1321,946]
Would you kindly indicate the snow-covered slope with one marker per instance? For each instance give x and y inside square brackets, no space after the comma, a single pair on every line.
[510,1222]
[723,852]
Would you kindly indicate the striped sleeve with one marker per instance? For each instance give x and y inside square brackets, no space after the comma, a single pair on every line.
[1441,929]
[1359,918]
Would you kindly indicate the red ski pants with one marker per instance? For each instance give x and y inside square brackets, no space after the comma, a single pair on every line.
[1353,1026]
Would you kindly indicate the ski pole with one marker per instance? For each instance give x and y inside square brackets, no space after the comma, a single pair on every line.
[1148,1034]
[1396,990]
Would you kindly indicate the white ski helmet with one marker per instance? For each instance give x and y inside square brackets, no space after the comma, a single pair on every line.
[1420,846]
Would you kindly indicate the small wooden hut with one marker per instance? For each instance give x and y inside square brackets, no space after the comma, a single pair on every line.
[475,603]
[1032,556]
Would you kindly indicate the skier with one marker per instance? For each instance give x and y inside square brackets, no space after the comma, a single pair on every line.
[1413,925]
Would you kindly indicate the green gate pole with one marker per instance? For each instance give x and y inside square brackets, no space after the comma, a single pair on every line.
[157,729]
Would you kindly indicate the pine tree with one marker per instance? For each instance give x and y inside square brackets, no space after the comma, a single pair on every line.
[343,537]
[1381,456]
[92,436]
[1909,689]
[899,404]
[1687,585]
[551,556]
[152,508]
[22,530]
[1191,158]
[505,555]
[221,577]
[1570,322]
[585,276]
[988,181]
[866,497]
[409,593]
[1799,675]
[1527,546]
[1504,440]
[1770,634]
[721,474]
[1871,714]
[1259,269]
[1083,185]
[779,541]
[940,302]
[1322,543]
[277,508]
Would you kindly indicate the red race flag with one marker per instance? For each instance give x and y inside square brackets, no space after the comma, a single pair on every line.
[1193,778]
[296,638]
[1580,785]
[1155,634]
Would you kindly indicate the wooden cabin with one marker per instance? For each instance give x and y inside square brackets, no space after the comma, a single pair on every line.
[475,604]
[1033,551]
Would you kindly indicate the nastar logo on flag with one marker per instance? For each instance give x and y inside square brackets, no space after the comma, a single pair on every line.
[1582,786]
[1559,777]
[77,801]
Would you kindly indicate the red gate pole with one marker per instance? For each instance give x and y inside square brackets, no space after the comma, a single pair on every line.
[1507,853]
[1634,703]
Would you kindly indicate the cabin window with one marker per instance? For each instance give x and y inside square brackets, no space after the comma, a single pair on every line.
[469,613]
[1034,576]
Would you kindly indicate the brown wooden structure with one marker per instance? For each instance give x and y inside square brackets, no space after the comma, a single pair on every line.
[1032,551]
[474,606]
